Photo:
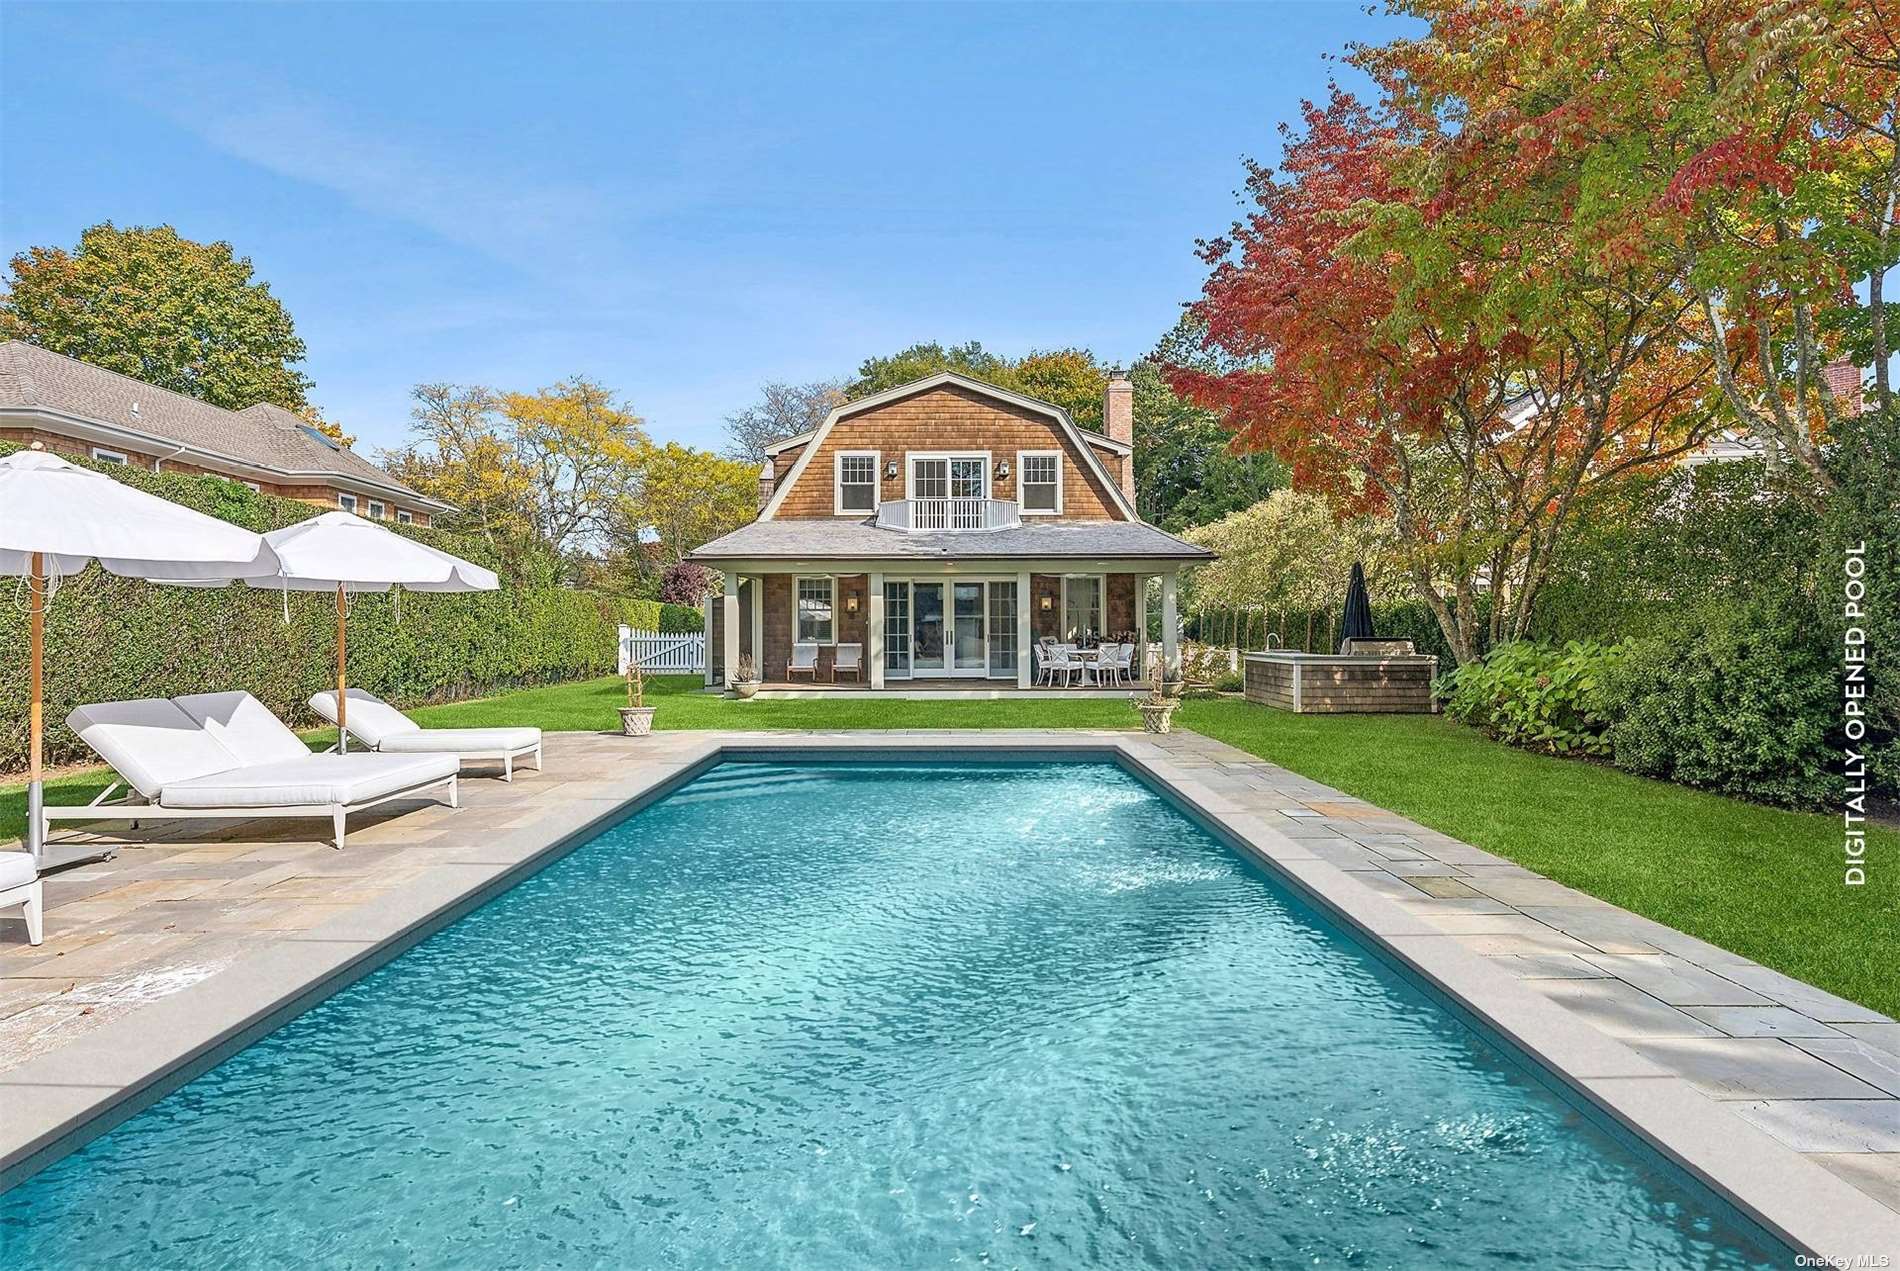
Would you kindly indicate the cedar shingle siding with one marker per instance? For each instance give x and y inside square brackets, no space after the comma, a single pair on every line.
[948,418]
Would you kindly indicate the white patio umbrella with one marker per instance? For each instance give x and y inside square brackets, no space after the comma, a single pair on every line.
[56,518]
[343,552]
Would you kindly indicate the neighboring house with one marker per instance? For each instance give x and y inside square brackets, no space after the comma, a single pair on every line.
[78,409]
[943,525]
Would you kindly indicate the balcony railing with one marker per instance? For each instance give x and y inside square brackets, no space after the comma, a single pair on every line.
[948,515]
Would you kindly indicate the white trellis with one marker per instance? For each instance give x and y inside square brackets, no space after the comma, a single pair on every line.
[662,653]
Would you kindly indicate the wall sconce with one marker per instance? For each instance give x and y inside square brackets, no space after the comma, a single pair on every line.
[1002,470]
[1048,602]
[890,469]
[851,603]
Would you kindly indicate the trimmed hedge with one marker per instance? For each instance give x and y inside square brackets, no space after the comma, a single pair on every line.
[112,638]
[681,619]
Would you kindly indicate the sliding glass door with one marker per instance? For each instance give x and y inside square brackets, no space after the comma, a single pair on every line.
[1003,629]
[928,630]
[969,643]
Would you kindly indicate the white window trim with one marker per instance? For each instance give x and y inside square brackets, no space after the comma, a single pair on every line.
[352,504]
[1021,471]
[101,455]
[910,467]
[252,485]
[837,481]
[831,584]
[405,517]
[378,510]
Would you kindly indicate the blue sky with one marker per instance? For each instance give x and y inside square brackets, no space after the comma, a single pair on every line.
[683,202]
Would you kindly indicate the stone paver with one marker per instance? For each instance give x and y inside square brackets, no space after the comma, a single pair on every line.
[199,900]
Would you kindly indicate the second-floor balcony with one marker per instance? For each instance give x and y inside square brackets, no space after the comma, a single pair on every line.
[948,515]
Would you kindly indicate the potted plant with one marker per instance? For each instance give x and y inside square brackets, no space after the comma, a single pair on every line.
[1157,708]
[745,677]
[636,717]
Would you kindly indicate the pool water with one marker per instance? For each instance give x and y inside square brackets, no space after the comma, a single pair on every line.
[859,1015]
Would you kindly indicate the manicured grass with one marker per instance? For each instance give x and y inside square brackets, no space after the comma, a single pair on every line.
[1762,882]
[683,703]
[1758,881]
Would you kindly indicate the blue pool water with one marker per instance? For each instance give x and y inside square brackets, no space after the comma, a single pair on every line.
[876,1016]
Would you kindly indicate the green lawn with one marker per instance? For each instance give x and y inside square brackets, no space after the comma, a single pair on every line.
[1762,882]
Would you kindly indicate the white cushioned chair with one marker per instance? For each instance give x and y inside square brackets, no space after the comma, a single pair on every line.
[20,885]
[225,755]
[387,731]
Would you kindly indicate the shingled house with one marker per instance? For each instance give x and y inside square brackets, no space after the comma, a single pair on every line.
[942,527]
[75,408]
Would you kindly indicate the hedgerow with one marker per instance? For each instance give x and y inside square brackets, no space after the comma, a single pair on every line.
[112,638]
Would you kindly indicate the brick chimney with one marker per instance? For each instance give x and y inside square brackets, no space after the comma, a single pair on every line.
[1843,380]
[1118,422]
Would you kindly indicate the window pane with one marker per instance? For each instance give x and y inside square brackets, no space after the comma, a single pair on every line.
[966,478]
[814,610]
[1082,608]
[1039,483]
[857,483]
[930,478]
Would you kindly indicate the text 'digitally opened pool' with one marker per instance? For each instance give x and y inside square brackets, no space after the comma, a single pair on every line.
[857,1015]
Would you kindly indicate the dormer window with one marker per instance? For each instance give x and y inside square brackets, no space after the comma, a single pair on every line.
[1039,482]
[856,483]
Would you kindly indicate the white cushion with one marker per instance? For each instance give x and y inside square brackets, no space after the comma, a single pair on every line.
[371,718]
[314,779]
[151,742]
[16,868]
[244,726]
[460,741]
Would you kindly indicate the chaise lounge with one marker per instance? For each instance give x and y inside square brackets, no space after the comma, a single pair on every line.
[213,755]
[386,730]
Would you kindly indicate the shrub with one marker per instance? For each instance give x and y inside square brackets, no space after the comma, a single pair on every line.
[1536,696]
[688,584]
[1739,700]
[681,619]
[642,615]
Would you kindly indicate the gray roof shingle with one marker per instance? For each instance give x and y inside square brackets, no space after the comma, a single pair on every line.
[862,540]
[263,435]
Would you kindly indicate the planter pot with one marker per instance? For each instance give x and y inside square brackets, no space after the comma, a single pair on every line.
[1156,717]
[1173,688]
[636,721]
[744,688]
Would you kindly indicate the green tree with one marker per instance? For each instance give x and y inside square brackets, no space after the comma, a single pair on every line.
[1070,378]
[683,498]
[1186,471]
[161,308]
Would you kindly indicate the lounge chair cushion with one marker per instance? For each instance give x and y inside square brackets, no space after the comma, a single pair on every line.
[151,742]
[456,741]
[244,726]
[312,780]
[16,869]
[372,720]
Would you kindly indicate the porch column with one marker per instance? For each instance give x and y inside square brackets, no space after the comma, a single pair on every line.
[1141,626]
[874,627]
[1025,645]
[709,602]
[757,585]
[729,622]
[1170,626]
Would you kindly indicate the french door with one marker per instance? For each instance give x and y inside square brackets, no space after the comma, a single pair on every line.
[964,628]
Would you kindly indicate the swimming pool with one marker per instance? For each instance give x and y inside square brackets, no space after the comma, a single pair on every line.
[839,1015]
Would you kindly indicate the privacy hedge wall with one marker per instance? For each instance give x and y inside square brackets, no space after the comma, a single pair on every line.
[113,638]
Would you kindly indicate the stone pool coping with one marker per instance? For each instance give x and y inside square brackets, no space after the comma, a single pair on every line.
[55,1101]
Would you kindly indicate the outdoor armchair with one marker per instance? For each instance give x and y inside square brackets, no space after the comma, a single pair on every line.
[804,661]
[386,730]
[848,657]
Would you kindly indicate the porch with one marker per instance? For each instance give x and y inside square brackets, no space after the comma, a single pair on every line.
[916,631]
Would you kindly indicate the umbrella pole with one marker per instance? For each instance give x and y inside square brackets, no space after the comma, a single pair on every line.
[342,659]
[35,713]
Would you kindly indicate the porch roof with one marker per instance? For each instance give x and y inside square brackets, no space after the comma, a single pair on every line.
[843,539]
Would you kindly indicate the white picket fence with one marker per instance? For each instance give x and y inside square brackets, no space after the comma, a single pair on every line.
[662,654]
